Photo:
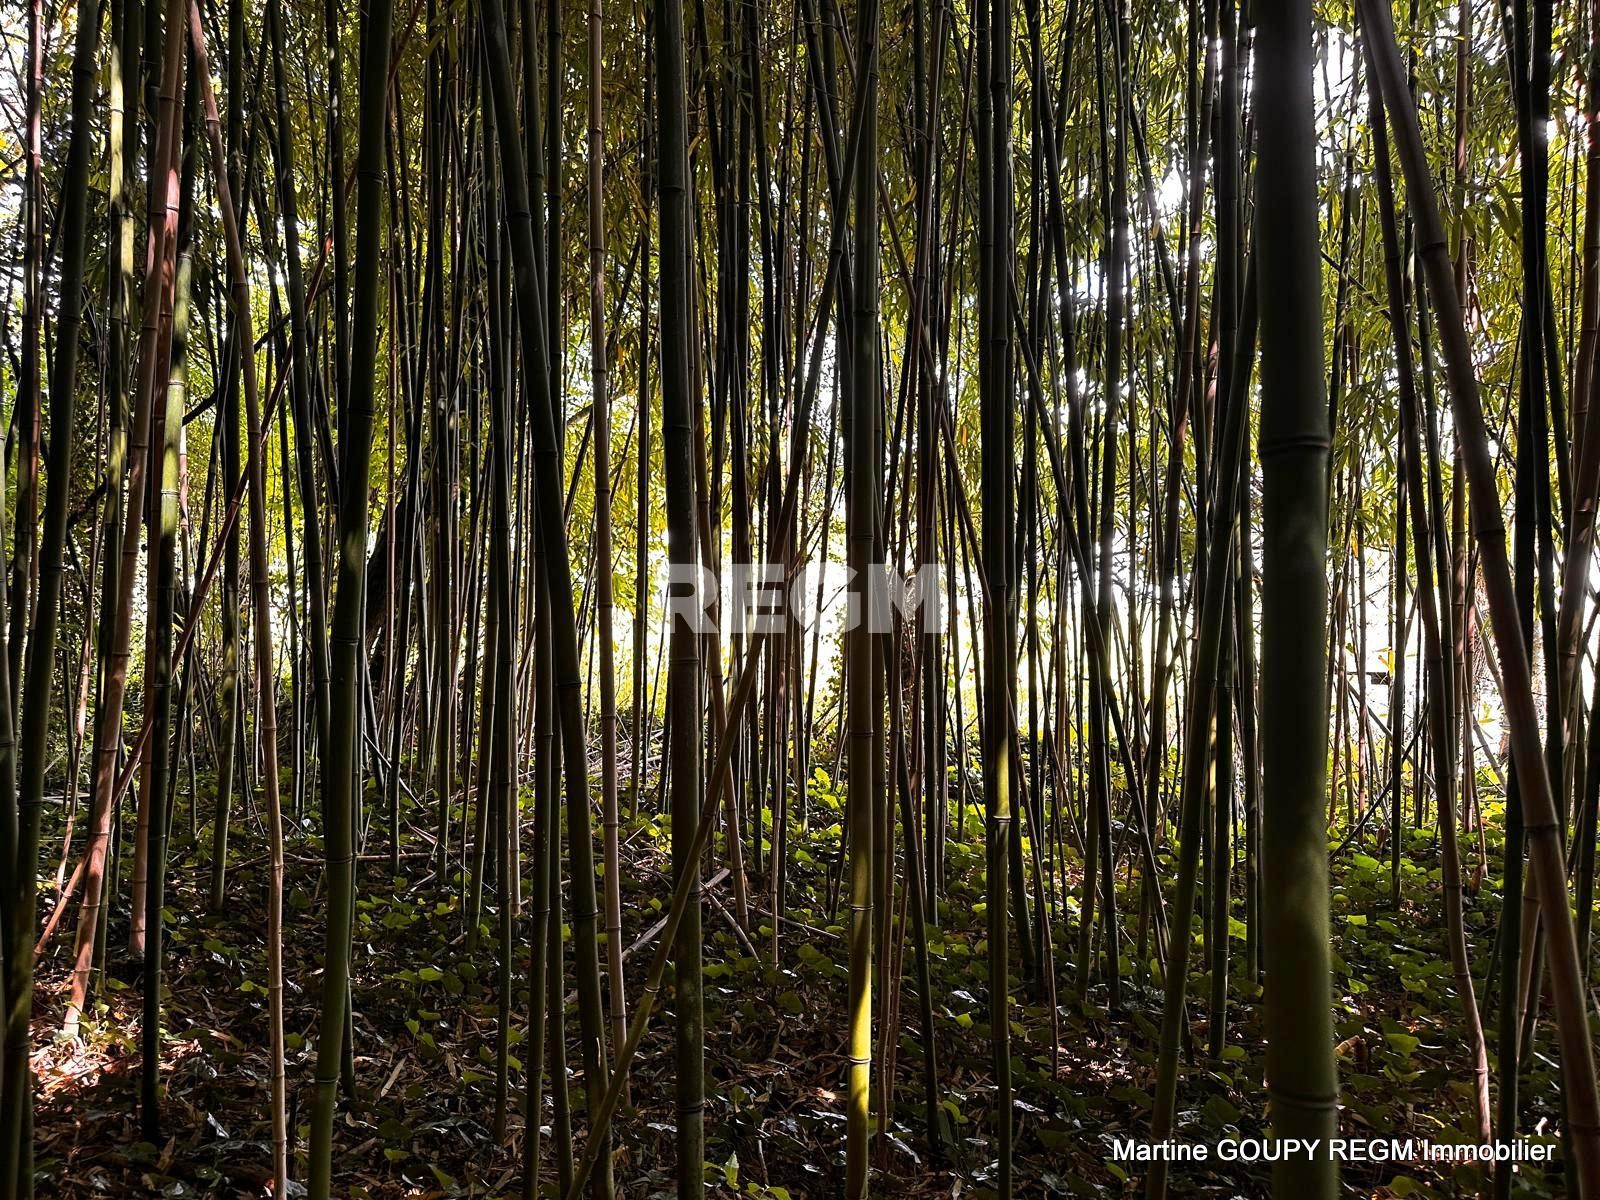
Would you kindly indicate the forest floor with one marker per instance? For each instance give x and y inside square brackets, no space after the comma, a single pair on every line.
[426,1019]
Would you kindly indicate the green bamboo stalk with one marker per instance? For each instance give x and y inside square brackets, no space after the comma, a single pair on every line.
[32,726]
[862,645]
[1302,1083]
[343,765]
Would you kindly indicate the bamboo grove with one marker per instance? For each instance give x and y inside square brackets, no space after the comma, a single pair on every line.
[386,387]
